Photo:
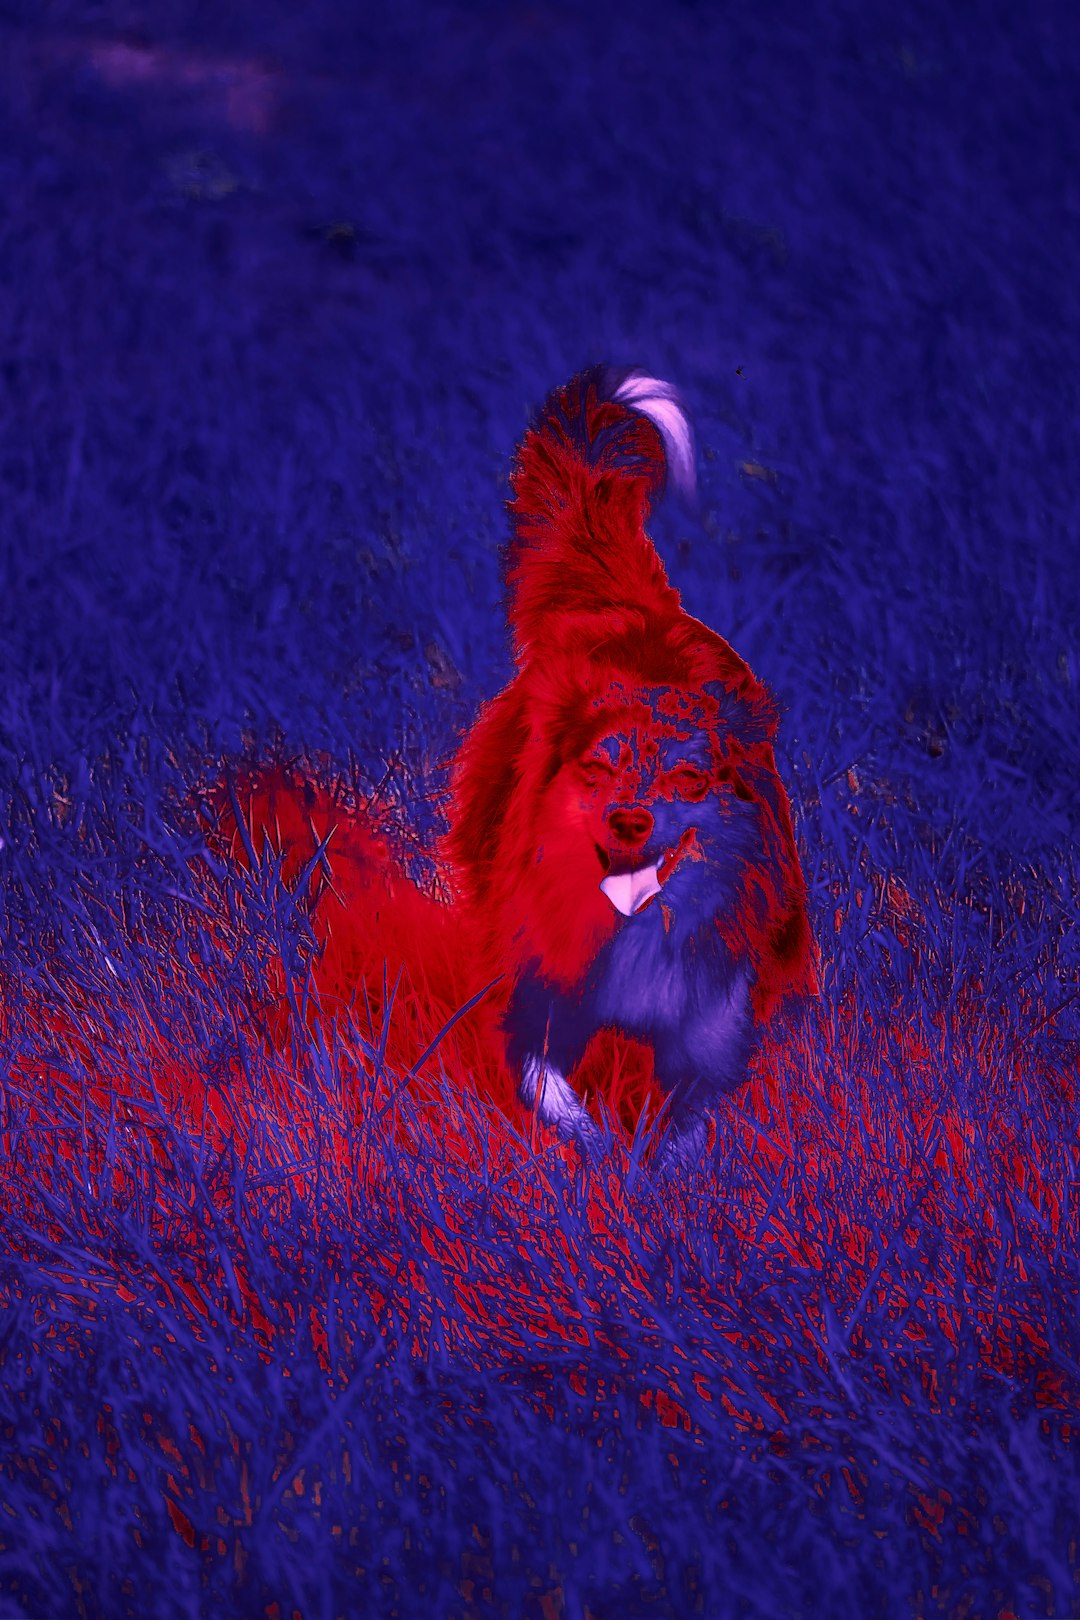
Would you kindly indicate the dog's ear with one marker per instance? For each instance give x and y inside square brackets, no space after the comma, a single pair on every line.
[744,706]
[482,782]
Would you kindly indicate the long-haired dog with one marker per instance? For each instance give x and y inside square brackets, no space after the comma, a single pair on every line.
[620,847]
[618,828]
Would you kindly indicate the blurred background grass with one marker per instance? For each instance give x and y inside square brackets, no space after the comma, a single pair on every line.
[278,289]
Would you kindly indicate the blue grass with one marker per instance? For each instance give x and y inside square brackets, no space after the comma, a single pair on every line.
[262,375]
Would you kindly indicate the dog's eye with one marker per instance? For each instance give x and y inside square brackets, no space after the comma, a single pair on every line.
[689,782]
[595,772]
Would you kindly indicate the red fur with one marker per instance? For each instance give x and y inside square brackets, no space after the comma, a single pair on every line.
[376,933]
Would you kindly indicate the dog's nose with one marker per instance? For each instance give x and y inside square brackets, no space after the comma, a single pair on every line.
[631,826]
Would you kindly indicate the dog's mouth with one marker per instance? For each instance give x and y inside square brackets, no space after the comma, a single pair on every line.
[631,889]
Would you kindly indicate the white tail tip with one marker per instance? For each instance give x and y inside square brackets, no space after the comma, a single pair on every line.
[661,404]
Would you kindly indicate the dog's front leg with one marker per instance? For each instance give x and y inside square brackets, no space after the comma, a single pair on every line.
[552,1098]
[700,1062]
[685,1148]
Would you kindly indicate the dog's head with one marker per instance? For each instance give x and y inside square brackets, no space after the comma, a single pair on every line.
[656,791]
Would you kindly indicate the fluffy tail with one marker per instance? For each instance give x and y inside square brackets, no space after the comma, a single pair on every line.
[586,475]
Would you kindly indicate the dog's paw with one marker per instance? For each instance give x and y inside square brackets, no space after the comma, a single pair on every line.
[555,1103]
[686,1149]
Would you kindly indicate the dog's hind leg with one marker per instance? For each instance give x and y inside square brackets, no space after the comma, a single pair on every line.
[554,1101]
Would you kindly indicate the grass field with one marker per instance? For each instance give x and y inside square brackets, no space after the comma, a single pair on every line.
[313,1326]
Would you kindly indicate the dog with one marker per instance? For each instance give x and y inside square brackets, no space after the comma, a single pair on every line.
[618,829]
